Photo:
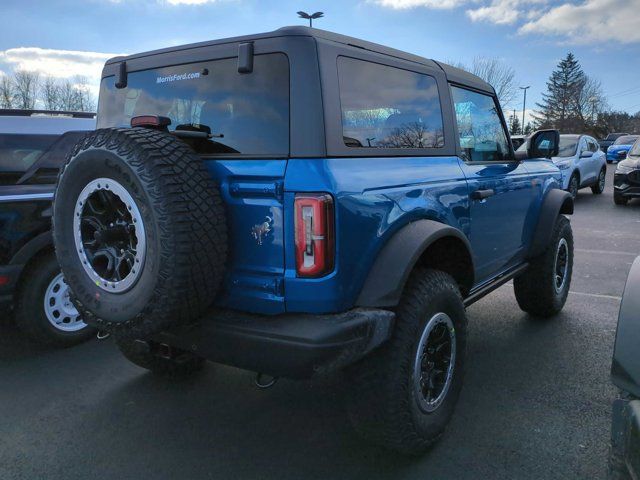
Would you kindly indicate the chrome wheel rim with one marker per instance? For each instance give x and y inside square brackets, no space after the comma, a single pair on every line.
[60,312]
[434,362]
[561,265]
[109,235]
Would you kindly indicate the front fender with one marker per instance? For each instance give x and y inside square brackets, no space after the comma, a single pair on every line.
[556,202]
[625,369]
[392,267]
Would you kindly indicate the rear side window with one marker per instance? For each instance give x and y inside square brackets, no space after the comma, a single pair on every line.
[245,113]
[482,135]
[19,152]
[387,107]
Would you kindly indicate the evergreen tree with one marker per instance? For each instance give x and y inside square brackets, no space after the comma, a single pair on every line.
[558,106]
[515,128]
[528,129]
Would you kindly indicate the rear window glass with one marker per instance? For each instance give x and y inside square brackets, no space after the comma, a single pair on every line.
[626,140]
[19,152]
[387,107]
[245,113]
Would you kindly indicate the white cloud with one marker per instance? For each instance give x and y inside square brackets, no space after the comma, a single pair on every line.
[406,4]
[55,63]
[572,21]
[591,21]
[189,2]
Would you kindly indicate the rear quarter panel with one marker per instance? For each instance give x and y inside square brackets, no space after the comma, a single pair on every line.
[375,197]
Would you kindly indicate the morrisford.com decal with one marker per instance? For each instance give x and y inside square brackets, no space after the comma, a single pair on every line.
[178,76]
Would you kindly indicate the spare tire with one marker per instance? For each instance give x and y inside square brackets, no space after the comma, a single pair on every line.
[139,229]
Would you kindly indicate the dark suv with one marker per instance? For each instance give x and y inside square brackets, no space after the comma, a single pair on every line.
[33,146]
[299,202]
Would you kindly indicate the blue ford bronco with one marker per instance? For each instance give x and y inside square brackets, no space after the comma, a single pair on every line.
[300,202]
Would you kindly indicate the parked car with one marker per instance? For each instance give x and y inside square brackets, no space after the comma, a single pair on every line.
[261,202]
[581,163]
[608,141]
[618,151]
[33,146]
[624,461]
[517,140]
[626,180]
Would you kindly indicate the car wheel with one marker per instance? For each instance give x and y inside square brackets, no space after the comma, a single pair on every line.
[44,310]
[619,199]
[160,359]
[542,290]
[574,186]
[403,395]
[598,187]
[140,231]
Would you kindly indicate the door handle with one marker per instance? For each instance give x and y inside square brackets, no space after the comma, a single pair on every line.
[482,194]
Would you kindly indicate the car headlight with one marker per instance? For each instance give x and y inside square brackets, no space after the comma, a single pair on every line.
[622,168]
[564,165]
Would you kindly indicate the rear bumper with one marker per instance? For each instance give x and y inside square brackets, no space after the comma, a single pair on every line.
[290,345]
[625,433]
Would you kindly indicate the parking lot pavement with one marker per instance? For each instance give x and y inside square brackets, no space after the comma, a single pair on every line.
[536,402]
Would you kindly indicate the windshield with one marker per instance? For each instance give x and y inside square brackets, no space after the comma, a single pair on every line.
[568,145]
[635,150]
[626,140]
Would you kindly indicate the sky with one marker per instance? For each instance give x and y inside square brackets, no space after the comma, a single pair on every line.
[63,38]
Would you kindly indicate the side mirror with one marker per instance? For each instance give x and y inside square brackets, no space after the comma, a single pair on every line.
[586,154]
[542,144]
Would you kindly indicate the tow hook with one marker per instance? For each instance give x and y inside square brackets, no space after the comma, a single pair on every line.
[262,384]
[102,335]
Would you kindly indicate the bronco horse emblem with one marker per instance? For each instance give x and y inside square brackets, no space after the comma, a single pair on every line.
[261,230]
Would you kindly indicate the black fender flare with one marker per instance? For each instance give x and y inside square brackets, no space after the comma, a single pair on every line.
[555,203]
[625,369]
[31,248]
[395,261]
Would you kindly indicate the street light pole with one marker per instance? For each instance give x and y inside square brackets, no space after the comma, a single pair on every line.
[310,17]
[524,104]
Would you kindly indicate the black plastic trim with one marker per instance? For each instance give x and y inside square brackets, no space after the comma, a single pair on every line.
[289,345]
[555,203]
[388,276]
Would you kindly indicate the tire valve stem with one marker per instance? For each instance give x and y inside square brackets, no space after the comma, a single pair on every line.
[262,384]
[102,335]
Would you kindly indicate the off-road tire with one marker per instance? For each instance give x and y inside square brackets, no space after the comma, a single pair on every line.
[181,365]
[598,187]
[30,316]
[620,200]
[382,401]
[535,289]
[185,230]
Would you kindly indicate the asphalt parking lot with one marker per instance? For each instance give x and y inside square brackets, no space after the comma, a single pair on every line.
[536,402]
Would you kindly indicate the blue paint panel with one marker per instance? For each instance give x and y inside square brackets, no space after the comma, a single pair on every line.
[374,197]
[252,192]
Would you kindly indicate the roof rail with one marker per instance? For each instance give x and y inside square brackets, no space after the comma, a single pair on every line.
[14,112]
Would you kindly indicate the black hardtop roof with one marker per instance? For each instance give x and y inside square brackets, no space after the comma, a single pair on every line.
[453,74]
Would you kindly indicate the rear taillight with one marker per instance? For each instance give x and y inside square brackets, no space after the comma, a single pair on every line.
[315,238]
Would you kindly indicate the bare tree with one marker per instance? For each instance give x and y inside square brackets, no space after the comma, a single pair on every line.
[7,91]
[50,93]
[74,95]
[497,74]
[26,89]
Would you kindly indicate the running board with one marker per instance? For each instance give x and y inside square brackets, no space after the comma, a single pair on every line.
[497,282]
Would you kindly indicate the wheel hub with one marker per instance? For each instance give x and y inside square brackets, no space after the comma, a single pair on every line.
[561,265]
[60,312]
[109,235]
[434,362]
